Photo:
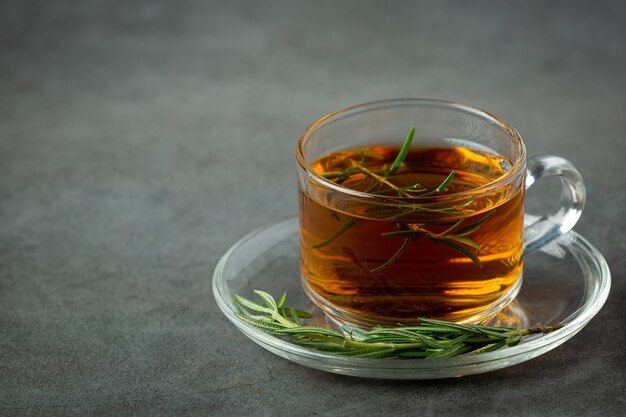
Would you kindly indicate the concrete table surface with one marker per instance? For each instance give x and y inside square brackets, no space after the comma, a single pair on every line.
[139,141]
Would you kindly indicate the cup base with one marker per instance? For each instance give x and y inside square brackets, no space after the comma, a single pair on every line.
[341,316]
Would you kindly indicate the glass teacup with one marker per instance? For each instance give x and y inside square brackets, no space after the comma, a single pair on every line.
[434,228]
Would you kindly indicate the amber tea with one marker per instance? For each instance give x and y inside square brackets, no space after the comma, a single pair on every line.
[425,254]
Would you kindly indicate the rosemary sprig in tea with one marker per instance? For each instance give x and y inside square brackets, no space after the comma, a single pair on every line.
[431,339]
[411,231]
[452,237]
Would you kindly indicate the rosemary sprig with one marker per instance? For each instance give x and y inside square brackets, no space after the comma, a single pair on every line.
[431,339]
[412,231]
[455,239]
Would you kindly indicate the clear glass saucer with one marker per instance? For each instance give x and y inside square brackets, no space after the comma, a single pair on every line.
[567,282]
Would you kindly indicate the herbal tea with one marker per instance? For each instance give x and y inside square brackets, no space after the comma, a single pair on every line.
[425,255]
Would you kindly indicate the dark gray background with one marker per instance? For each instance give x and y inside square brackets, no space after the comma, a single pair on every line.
[138,142]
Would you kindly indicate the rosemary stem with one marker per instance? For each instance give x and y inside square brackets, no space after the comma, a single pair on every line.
[394,346]
[380,179]
[544,329]
[282,320]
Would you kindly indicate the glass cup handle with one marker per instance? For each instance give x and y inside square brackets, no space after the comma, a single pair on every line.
[572,200]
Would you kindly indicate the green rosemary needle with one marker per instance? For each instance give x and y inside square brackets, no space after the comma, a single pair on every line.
[431,339]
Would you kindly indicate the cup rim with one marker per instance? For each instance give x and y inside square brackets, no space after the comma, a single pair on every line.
[499,182]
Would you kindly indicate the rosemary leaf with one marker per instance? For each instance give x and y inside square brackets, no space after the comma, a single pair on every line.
[312,330]
[281,300]
[371,154]
[395,256]
[289,312]
[492,347]
[251,305]
[441,186]
[454,245]
[373,352]
[348,224]
[267,299]
[473,227]
[404,150]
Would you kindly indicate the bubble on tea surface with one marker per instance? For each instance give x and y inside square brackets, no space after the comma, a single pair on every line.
[505,165]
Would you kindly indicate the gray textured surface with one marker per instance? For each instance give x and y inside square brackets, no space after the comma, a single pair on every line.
[138,142]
